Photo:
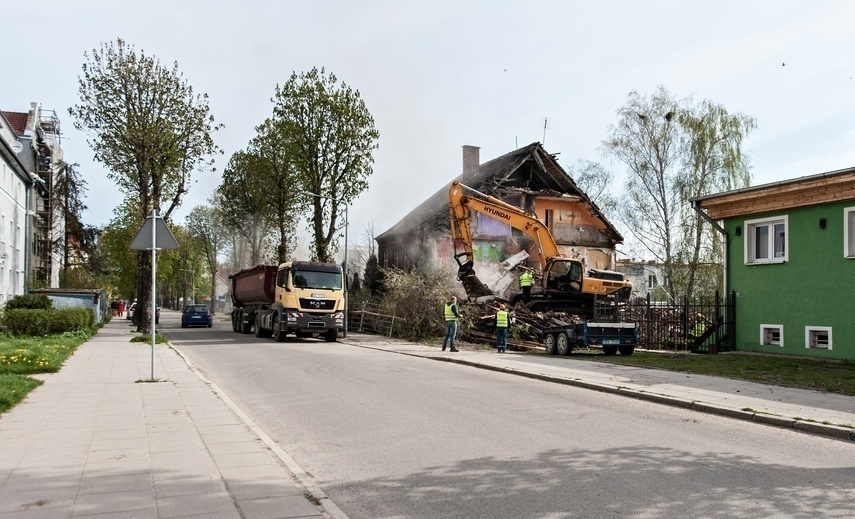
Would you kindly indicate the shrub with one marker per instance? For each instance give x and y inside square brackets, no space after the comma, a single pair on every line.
[30,301]
[47,322]
[417,297]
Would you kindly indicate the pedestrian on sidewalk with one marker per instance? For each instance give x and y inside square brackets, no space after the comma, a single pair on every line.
[502,322]
[451,317]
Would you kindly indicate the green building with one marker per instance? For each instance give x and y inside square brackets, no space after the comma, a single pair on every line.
[790,259]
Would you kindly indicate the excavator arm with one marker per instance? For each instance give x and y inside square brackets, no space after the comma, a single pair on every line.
[464,199]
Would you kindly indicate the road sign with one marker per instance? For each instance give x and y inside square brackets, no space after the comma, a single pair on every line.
[162,234]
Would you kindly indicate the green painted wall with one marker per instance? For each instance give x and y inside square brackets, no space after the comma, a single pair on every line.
[814,287]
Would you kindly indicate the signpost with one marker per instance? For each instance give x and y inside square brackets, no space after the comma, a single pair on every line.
[153,235]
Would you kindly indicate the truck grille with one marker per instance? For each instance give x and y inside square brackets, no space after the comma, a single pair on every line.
[317,304]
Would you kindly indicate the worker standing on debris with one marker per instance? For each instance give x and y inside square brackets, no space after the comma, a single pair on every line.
[502,322]
[451,317]
[525,284]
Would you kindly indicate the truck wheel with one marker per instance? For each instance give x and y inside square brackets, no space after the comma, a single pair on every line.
[610,350]
[626,350]
[259,332]
[244,327]
[235,321]
[549,343]
[562,345]
[278,334]
[331,335]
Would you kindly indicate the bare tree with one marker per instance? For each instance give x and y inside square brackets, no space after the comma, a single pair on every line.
[674,151]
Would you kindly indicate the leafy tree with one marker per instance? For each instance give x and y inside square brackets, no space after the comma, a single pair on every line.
[123,275]
[244,198]
[79,242]
[373,276]
[148,127]
[270,148]
[203,223]
[330,138]
[675,150]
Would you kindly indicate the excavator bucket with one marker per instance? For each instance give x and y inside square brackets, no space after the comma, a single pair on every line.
[474,287]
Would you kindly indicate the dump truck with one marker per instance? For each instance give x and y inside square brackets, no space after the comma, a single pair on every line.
[302,298]
[562,283]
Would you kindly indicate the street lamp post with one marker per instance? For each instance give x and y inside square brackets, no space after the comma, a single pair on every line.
[346,275]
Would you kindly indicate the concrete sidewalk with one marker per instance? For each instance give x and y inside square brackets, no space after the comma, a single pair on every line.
[814,412]
[96,441]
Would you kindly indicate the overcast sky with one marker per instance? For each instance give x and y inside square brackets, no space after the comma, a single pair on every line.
[437,75]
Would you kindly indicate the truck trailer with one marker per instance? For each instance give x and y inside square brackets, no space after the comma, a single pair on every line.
[561,339]
[302,298]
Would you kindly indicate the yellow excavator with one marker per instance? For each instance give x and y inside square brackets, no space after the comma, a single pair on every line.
[562,283]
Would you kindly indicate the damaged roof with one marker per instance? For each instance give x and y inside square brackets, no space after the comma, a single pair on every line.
[529,170]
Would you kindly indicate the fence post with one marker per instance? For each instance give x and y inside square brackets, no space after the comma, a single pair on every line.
[648,321]
[362,317]
[714,345]
[732,321]
[392,324]
[686,319]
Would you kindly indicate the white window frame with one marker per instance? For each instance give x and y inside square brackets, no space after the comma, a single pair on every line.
[751,227]
[809,330]
[769,327]
[848,230]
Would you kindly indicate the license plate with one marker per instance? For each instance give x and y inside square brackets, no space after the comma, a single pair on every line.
[611,341]
[196,317]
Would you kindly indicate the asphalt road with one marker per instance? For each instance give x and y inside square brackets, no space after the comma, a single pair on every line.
[392,436]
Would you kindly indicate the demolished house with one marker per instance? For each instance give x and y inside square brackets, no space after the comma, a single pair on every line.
[529,178]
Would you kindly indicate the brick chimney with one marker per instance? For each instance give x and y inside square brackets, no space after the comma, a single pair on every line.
[471,160]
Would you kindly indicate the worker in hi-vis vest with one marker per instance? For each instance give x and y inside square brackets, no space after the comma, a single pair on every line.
[526,280]
[451,317]
[502,323]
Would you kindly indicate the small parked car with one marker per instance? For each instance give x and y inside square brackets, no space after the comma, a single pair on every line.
[196,315]
[133,308]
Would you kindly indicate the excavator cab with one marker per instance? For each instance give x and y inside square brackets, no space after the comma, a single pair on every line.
[563,277]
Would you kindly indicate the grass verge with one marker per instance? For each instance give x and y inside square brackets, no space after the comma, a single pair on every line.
[22,356]
[13,388]
[797,372]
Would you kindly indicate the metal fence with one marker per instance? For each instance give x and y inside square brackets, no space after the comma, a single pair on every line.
[703,325]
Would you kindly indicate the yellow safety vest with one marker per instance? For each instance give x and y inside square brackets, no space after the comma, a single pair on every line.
[449,313]
[501,319]
[525,279]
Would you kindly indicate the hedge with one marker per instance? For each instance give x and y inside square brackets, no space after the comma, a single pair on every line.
[48,322]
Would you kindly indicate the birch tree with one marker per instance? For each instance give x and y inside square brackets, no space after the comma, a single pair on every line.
[675,150]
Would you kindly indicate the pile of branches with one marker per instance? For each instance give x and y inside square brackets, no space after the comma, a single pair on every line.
[525,323]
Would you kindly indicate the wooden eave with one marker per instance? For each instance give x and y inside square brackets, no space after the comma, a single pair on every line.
[836,186]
